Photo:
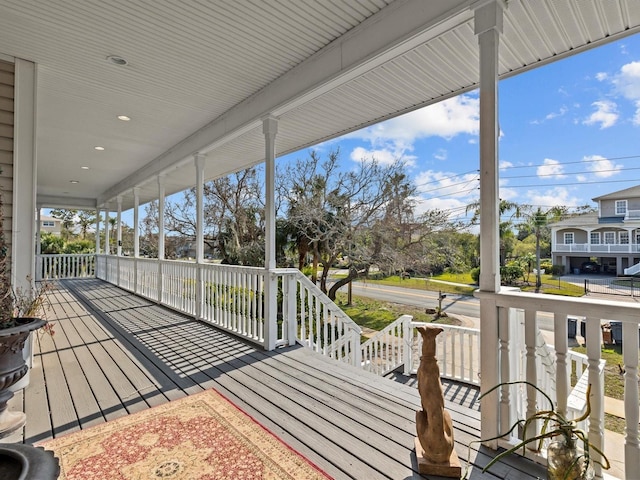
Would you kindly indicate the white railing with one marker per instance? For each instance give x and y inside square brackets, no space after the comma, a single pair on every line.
[235,299]
[497,408]
[632,270]
[65,266]
[389,348]
[321,324]
[458,352]
[597,247]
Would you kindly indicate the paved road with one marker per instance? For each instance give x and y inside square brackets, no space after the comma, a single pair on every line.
[456,304]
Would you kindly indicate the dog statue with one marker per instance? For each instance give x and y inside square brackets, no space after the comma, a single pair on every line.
[433,422]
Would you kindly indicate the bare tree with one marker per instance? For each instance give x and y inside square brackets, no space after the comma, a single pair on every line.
[333,210]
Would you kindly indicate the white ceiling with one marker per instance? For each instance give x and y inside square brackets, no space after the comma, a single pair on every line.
[202,74]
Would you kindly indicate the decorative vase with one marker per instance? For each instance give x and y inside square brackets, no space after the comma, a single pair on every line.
[13,368]
[565,462]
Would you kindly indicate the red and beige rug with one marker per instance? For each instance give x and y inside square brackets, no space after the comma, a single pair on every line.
[200,437]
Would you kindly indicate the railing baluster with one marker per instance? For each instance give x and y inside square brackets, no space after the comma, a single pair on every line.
[631,443]
[596,419]
[530,334]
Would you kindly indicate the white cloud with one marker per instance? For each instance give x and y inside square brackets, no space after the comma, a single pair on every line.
[504,164]
[382,156]
[552,197]
[563,110]
[605,115]
[627,83]
[581,178]
[447,119]
[602,167]
[550,169]
[600,76]
[446,184]
[441,154]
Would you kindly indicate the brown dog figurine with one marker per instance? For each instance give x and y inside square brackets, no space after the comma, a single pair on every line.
[433,422]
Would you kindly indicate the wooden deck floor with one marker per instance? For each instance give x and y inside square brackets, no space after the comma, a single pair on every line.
[114,354]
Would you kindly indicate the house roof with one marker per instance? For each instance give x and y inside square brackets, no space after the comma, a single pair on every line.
[620,194]
[583,220]
[201,75]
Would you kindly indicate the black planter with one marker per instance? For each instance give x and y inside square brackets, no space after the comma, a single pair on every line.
[12,369]
[24,462]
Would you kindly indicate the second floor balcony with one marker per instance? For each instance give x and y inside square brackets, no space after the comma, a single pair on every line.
[597,248]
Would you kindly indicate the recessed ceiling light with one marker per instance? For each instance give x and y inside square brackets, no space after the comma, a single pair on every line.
[116,60]
[99,148]
[124,118]
[84,168]
[74,181]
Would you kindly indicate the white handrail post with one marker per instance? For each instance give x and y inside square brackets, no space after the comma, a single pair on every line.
[560,338]
[531,369]
[291,307]
[356,349]
[407,345]
[505,369]
[631,444]
[596,419]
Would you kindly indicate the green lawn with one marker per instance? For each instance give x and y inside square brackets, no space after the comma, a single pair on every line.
[377,314]
[550,285]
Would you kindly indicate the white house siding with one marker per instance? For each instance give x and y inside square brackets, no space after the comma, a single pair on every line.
[7,75]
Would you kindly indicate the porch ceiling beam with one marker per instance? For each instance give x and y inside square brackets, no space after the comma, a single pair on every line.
[393,31]
[54,201]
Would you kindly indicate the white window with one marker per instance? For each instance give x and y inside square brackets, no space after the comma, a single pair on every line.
[568,238]
[48,223]
[624,238]
[621,207]
[609,238]
[595,238]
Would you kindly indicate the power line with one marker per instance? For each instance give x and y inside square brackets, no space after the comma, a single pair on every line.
[590,160]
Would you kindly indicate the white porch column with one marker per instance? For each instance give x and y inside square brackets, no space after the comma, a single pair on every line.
[161,193]
[23,229]
[136,220]
[488,27]
[199,163]
[270,129]
[98,212]
[160,217]
[119,227]
[107,229]
[38,272]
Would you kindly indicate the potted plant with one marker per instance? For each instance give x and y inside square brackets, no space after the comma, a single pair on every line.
[19,312]
[568,448]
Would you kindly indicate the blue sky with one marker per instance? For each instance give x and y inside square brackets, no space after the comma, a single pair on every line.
[570,131]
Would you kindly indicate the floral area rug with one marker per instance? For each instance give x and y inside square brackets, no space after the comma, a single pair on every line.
[200,437]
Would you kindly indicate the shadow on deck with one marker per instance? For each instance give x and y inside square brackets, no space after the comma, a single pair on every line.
[115,353]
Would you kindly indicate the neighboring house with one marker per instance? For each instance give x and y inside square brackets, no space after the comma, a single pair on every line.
[611,235]
[50,225]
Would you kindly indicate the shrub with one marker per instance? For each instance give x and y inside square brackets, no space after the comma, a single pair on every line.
[475,274]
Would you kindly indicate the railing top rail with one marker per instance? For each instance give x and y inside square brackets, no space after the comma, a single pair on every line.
[50,255]
[445,325]
[591,307]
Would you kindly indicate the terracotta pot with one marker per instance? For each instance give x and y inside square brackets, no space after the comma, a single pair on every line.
[12,369]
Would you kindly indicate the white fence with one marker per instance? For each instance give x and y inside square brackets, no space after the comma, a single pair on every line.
[65,266]
[501,338]
[235,299]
